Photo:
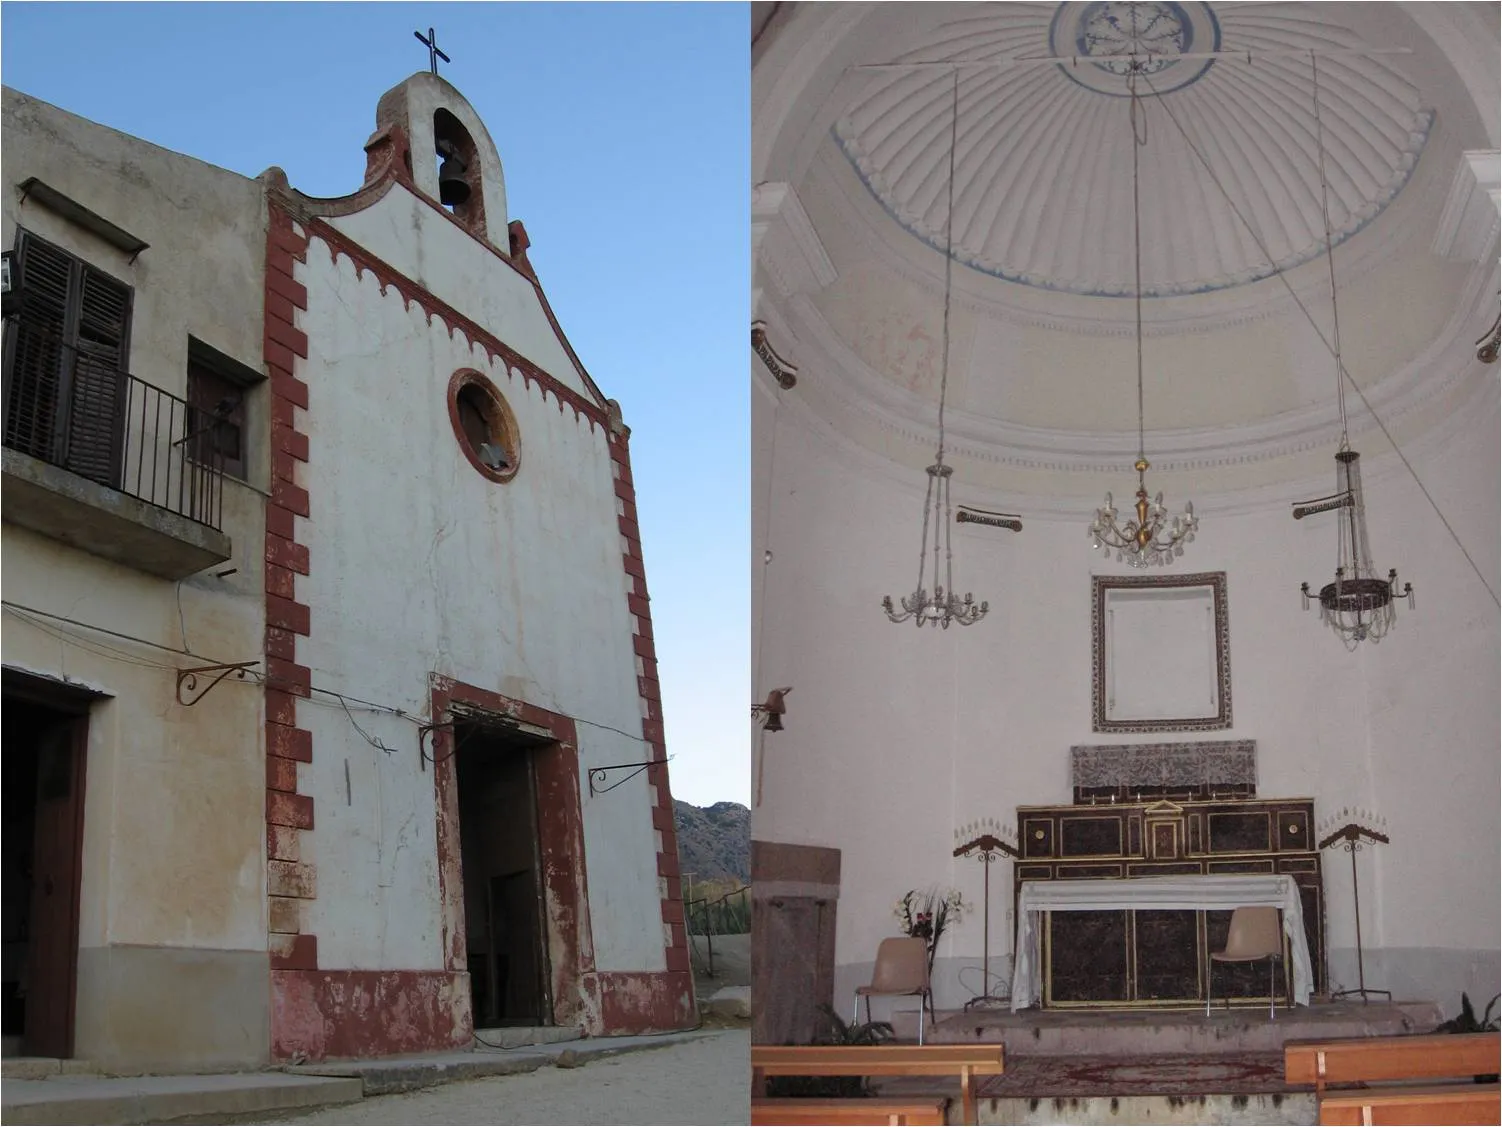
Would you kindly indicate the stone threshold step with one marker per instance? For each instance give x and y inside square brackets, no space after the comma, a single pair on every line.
[40,1068]
[387,1075]
[66,1099]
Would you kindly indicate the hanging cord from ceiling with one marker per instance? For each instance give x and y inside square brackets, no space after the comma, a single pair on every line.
[1342,371]
[1139,141]
[1324,203]
[947,516]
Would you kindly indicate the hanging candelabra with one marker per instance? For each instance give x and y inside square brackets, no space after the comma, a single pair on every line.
[941,606]
[1358,605]
[1151,539]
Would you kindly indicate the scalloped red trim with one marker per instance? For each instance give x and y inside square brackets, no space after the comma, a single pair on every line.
[414,294]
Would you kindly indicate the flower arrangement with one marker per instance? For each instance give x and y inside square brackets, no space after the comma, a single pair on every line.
[926,915]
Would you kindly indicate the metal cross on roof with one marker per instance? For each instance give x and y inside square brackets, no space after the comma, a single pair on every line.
[434,54]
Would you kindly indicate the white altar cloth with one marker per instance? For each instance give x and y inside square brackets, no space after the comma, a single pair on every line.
[1216,892]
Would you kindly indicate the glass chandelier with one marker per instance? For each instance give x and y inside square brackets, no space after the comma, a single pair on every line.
[942,606]
[1358,606]
[1151,539]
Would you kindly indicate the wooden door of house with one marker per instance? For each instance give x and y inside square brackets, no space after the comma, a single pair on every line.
[52,953]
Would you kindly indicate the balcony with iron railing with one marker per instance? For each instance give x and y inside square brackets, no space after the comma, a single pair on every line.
[108,463]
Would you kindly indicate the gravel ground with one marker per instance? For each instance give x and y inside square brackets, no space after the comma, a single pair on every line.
[703,1081]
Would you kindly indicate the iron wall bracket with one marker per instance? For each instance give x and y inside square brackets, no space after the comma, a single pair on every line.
[187,680]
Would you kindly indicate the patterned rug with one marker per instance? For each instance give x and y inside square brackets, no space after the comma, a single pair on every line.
[1045,1077]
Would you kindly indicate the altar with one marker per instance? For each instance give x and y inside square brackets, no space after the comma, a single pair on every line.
[1122,895]
[1155,894]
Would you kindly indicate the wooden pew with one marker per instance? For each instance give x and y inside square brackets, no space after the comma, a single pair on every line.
[1458,1057]
[966,1061]
[856,1112]
[1414,1106]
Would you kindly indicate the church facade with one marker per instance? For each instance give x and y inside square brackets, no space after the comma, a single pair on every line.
[327,631]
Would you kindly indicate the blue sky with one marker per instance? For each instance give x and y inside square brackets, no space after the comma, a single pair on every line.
[625,134]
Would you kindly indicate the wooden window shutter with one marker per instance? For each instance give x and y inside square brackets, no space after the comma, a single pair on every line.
[34,382]
[98,388]
[66,385]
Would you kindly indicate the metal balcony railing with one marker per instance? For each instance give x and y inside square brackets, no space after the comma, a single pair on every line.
[73,409]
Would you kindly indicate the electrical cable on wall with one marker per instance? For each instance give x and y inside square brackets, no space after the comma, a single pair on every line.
[44,621]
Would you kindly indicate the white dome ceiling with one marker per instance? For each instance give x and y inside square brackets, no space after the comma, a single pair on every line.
[1043,192]
[1239,384]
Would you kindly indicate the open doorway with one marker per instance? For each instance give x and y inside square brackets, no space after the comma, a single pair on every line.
[501,862]
[45,740]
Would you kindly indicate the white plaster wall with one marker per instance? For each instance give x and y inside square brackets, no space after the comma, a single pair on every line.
[406,232]
[174,807]
[894,736]
[421,565]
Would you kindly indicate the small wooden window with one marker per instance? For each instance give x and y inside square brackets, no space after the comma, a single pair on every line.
[217,420]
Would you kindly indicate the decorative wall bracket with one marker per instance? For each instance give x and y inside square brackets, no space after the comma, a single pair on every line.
[782,370]
[187,679]
[598,775]
[968,514]
[424,732]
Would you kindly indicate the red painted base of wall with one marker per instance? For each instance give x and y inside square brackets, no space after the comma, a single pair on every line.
[659,1002]
[320,1014]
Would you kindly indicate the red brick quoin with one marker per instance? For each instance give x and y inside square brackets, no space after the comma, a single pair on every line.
[289,881]
[289,815]
[667,999]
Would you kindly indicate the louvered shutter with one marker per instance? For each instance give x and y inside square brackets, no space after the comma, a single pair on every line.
[66,384]
[95,417]
[33,421]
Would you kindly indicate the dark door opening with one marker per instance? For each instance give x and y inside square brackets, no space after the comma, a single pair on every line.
[41,823]
[501,862]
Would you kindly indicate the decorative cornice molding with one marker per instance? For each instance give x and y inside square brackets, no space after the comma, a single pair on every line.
[1481,400]
[1467,228]
[855,389]
[784,243]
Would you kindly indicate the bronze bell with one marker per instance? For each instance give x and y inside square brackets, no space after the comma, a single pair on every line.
[773,722]
[453,189]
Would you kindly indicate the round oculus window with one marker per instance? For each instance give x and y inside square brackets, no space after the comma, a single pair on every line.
[484,425]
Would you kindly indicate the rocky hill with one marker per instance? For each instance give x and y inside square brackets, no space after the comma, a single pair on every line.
[714,842]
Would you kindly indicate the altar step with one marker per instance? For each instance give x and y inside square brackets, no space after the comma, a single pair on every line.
[1240,1088]
[1115,1111]
[1176,1033]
